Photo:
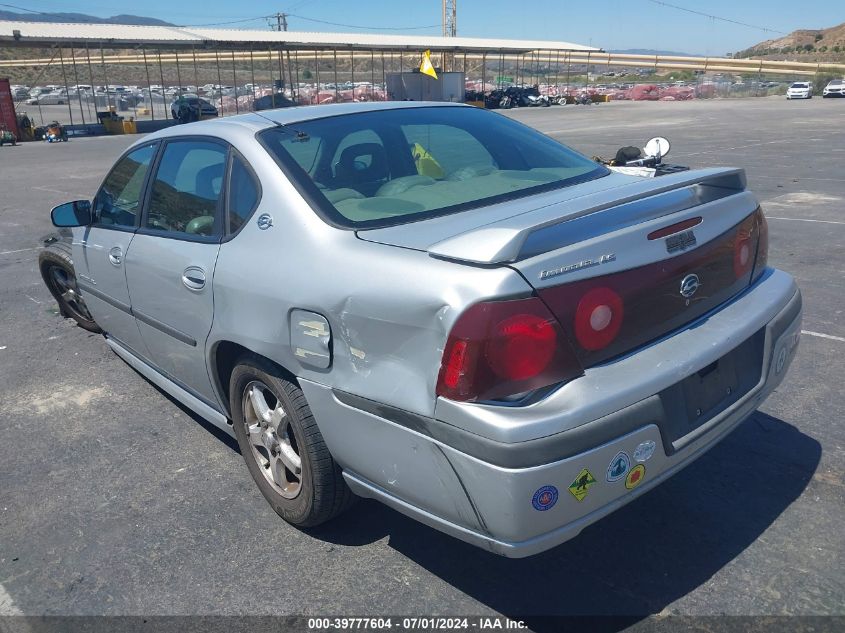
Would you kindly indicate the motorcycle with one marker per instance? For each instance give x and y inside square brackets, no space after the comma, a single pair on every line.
[583,99]
[538,101]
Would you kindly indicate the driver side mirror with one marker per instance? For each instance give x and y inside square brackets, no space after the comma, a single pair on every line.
[76,213]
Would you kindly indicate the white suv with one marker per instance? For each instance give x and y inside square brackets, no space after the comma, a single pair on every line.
[836,88]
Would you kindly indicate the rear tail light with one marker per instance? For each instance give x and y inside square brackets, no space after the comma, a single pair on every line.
[501,348]
[762,259]
[598,318]
[743,253]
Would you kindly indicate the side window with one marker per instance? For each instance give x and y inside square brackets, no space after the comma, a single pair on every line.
[243,194]
[117,202]
[187,187]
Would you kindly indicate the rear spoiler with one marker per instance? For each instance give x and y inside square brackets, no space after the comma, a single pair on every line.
[571,221]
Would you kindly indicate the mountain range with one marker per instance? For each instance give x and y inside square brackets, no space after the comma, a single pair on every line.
[81,18]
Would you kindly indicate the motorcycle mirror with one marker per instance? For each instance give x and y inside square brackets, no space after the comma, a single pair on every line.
[658,146]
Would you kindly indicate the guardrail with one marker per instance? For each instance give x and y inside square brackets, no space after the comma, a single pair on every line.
[656,62]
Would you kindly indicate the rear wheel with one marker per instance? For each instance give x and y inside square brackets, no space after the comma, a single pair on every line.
[282,446]
[57,271]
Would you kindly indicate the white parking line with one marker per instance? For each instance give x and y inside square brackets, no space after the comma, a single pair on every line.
[730,149]
[20,250]
[771,217]
[7,605]
[841,339]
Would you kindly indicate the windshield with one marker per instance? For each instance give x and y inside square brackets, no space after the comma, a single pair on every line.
[387,167]
[799,85]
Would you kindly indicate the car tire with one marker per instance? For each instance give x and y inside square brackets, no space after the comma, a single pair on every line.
[57,271]
[285,435]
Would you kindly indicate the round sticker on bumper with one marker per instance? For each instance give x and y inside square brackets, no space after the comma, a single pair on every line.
[644,451]
[544,498]
[635,477]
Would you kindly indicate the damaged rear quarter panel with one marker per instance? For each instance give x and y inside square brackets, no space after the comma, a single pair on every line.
[390,309]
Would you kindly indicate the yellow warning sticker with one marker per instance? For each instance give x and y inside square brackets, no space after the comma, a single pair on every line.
[581,486]
[635,477]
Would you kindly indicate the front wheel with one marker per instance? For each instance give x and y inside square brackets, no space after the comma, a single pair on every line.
[282,446]
[57,271]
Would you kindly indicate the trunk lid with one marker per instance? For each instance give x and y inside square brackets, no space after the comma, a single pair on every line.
[498,233]
[620,261]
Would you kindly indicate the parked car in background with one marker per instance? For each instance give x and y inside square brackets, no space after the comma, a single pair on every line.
[271,101]
[834,88]
[191,108]
[437,307]
[800,90]
[49,98]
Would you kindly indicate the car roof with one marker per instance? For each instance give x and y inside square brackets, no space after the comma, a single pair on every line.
[306,113]
[231,128]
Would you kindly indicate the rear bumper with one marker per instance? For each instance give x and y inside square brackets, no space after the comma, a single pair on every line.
[510,493]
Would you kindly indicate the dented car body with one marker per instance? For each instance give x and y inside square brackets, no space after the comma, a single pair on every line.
[506,345]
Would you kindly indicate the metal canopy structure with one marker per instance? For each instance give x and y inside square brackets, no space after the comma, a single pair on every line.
[43,35]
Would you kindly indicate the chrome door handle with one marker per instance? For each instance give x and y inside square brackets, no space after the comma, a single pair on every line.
[116,256]
[194,278]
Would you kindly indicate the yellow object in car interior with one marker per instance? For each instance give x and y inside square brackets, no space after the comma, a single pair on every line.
[426,164]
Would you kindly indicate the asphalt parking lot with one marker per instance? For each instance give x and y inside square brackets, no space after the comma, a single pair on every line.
[115,500]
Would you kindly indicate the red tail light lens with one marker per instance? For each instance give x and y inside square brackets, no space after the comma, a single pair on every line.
[743,253]
[502,348]
[762,259]
[598,318]
[522,346]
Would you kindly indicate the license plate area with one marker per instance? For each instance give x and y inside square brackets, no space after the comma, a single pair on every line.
[705,389]
[695,400]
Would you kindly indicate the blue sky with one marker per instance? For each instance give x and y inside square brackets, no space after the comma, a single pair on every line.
[610,24]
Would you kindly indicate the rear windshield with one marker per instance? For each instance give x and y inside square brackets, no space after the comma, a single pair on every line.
[388,167]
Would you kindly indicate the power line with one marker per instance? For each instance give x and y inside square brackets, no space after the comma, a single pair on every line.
[716,17]
[11,6]
[260,17]
[372,28]
[297,5]
[266,17]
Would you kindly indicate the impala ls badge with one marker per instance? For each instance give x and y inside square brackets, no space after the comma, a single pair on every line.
[586,263]
[689,285]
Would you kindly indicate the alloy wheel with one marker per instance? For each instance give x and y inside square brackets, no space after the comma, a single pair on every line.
[272,440]
[64,283]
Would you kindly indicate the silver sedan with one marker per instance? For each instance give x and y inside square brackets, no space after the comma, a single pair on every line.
[434,306]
